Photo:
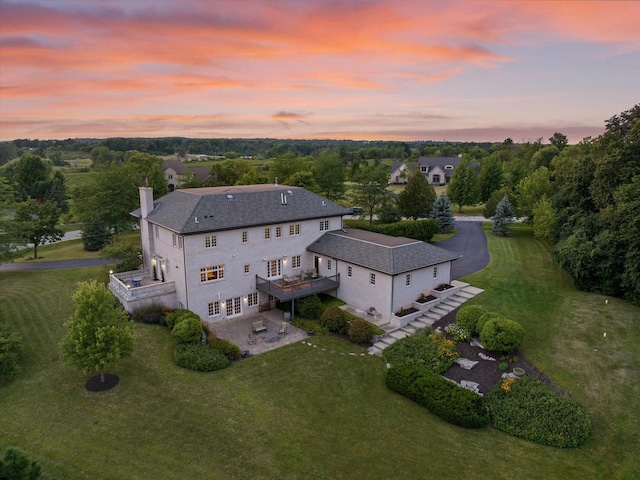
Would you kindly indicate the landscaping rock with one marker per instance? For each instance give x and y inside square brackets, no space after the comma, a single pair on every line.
[486,357]
[476,343]
[466,363]
[473,386]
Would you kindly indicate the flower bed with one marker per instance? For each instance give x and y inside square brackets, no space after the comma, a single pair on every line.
[444,290]
[425,302]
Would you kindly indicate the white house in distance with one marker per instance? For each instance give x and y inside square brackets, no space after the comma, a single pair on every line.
[225,252]
[437,170]
[176,173]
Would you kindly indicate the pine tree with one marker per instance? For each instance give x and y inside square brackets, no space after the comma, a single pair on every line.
[441,213]
[503,218]
[417,197]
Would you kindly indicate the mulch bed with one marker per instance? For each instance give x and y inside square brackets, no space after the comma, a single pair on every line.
[486,372]
[94,384]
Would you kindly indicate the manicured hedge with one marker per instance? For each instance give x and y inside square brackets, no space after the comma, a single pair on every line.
[224,346]
[417,229]
[179,315]
[502,335]
[484,318]
[449,401]
[424,348]
[529,409]
[310,307]
[200,358]
[188,330]
[360,331]
[468,316]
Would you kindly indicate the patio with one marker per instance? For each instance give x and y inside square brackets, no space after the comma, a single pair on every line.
[237,330]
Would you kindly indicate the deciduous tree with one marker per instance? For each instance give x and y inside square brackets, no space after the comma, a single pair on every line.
[463,188]
[490,178]
[99,333]
[545,220]
[417,198]
[330,174]
[371,188]
[36,223]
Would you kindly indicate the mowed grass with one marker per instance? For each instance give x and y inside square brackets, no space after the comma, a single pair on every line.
[67,250]
[305,412]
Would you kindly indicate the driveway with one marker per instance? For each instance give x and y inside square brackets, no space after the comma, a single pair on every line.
[61,264]
[471,243]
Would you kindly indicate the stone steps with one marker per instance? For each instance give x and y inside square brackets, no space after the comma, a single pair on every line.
[426,320]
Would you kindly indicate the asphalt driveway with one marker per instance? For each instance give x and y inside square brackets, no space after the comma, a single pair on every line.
[471,243]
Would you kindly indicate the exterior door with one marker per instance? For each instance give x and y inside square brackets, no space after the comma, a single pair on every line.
[233,306]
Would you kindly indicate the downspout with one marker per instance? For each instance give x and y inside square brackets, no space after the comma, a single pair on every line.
[184,263]
[393,283]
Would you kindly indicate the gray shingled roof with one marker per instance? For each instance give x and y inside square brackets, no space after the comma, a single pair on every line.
[390,255]
[224,208]
[439,162]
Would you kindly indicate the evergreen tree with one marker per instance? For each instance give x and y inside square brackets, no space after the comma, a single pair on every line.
[503,218]
[416,199]
[441,213]
[16,465]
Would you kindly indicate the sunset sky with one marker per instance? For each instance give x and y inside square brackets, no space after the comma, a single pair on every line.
[377,70]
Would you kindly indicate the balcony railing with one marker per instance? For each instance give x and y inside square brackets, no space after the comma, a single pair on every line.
[138,285]
[285,290]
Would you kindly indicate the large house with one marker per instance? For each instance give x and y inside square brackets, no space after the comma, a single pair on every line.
[228,251]
[176,173]
[437,170]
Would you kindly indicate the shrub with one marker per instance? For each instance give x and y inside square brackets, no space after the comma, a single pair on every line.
[95,235]
[484,318]
[224,346]
[449,401]
[333,320]
[527,408]
[431,350]
[459,333]
[16,465]
[360,331]
[152,314]
[10,349]
[468,316]
[310,307]
[179,315]
[200,358]
[502,335]
[503,366]
[188,330]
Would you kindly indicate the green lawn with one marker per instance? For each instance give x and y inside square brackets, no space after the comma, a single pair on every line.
[304,412]
[67,250]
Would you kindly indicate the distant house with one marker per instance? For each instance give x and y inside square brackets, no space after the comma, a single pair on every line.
[437,170]
[225,252]
[176,173]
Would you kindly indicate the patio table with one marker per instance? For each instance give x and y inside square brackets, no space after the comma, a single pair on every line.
[270,336]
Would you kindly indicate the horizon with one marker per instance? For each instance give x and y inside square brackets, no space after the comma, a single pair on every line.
[460,71]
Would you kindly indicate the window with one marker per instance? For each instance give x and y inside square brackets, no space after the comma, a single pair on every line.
[294,229]
[174,237]
[324,225]
[448,167]
[233,306]
[295,261]
[436,179]
[180,242]
[349,271]
[247,268]
[252,299]
[245,237]
[435,272]
[274,268]
[423,169]
[267,233]
[328,264]
[214,309]
[210,241]
[211,274]
[372,278]
[278,232]
[407,280]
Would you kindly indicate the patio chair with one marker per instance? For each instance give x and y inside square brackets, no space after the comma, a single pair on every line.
[283,329]
[252,339]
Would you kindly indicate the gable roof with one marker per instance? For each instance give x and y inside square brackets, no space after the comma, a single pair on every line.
[201,173]
[210,209]
[410,166]
[382,253]
[432,162]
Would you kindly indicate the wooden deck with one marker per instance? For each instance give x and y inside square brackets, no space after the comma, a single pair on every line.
[285,290]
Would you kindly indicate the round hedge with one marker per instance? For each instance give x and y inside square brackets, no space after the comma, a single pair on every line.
[188,330]
[333,320]
[468,316]
[484,318]
[179,315]
[527,408]
[502,335]
[360,331]
[200,358]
